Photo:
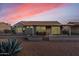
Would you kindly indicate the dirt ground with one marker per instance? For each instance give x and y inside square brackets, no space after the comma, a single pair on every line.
[49,48]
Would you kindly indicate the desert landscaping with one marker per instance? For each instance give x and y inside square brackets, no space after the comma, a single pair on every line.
[50,48]
[47,48]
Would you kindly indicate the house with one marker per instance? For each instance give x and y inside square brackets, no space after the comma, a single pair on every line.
[46,28]
[52,30]
[4,27]
[38,27]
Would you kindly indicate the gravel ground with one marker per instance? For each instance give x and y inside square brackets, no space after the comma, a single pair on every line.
[49,48]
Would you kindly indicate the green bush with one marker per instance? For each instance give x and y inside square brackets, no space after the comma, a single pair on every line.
[10,47]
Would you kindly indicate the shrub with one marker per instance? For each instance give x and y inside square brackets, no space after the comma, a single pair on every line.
[10,47]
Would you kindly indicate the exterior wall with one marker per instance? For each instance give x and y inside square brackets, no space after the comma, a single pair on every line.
[4,27]
[55,30]
[75,30]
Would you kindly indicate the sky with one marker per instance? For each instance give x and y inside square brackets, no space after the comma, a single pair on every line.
[13,13]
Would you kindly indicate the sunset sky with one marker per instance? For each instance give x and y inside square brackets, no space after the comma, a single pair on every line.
[14,12]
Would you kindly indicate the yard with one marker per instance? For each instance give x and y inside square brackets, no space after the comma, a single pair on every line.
[49,48]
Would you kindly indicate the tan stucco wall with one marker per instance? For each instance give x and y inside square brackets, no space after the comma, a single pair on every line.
[4,27]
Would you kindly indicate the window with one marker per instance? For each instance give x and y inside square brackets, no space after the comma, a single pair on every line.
[18,29]
[28,30]
[41,29]
[55,30]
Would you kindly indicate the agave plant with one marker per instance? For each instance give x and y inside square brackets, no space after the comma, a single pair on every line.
[10,47]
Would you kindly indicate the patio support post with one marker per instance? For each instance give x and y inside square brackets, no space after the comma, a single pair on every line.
[33,30]
[69,31]
[22,30]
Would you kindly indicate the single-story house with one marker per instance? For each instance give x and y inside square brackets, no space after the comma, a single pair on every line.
[4,27]
[38,27]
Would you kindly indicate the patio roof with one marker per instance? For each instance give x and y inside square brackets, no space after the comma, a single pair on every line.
[25,23]
[74,23]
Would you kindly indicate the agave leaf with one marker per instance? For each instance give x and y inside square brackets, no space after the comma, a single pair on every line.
[16,46]
[9,45]
[2,47]
[17,50]
[14,42]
